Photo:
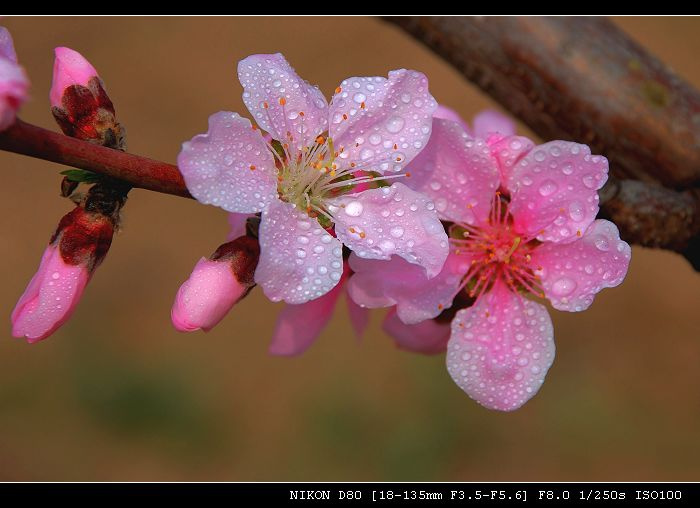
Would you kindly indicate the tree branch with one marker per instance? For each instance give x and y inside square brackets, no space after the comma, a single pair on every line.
[583,79]
[138,171]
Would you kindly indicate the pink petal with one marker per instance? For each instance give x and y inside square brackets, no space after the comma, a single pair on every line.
[391,128]
[492,122]
[428,337]
[293,105]
[69,68]
[445,113]
[206,296]
[230,166]
[457,172]
[554,190]
[14,84]
[298,326]
[500,349]
[377,284]
[299,260]
[7,48]
[573,273]
[508,151]
[359,317]
[50,298]
[379,223]
[237,224]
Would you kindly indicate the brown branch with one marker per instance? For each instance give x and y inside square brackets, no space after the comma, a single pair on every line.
[138,171]
[583,79]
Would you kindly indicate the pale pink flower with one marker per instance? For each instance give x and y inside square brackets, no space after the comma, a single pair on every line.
[79,245]
[14,84]
[523,222]
[305,181]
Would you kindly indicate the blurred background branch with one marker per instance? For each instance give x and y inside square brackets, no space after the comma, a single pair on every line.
[585,80]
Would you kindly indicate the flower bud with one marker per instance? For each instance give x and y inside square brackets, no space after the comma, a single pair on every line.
[76,249]
[13,81]
[216,285]
[79,102]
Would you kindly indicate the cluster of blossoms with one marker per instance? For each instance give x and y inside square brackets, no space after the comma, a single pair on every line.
[380,194]
[481,219]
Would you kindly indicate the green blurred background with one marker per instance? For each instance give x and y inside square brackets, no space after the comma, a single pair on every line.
[117,394]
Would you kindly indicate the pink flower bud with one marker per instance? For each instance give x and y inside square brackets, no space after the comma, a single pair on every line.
[80,103]
[69,68]
[13,81]
[216,285]
[50,297]
[76,249]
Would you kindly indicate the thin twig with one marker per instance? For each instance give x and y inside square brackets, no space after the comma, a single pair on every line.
[138,171]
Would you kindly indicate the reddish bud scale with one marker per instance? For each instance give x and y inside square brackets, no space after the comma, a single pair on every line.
[87,113]
[242,254]
[83,238]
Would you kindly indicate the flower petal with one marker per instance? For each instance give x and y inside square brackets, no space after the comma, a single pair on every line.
[298,326]
[500,349]
[457,172]
[490,122]
[378,223]
[280,101]
[428,337]
[508,151]
[378,284]
[14,83]
[573,273]
[7,48]
[50,298]
[380,124]
[554,190]
[445,113]
[299,260]
[237,225]
[359,317]
[230,166]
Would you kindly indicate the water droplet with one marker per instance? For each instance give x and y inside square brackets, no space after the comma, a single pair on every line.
[563,286]
[396,232]
[601,243]
[548,187]
[353,208]
[395,124]
[576,211]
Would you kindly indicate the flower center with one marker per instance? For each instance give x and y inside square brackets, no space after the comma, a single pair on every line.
[496,252]
[310,175]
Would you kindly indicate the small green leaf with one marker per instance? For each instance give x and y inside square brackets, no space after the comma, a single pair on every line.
[81,176]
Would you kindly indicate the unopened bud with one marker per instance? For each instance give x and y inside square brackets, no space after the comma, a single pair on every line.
[79,102]
[76,249]
[216,285]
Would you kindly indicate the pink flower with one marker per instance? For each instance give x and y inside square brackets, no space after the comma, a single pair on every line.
[298,326]
[218,283]
[14,83]
[304,180]
[77,248]
[523,221]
